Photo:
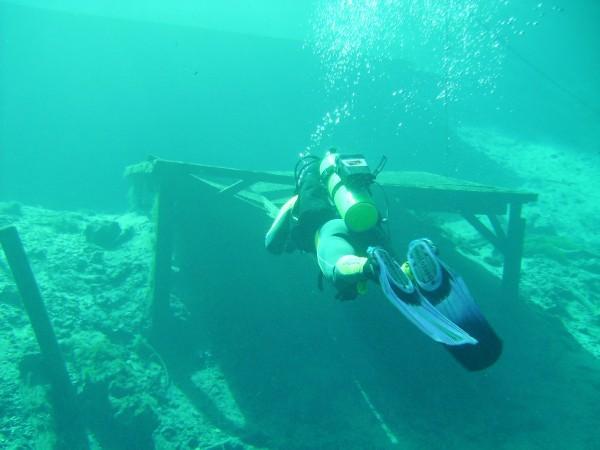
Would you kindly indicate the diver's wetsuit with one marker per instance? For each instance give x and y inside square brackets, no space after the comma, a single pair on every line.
[319,229]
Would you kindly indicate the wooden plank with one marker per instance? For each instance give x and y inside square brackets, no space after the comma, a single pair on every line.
[181,168]
[71,429]
[431,181]
[416,189]
[425,180]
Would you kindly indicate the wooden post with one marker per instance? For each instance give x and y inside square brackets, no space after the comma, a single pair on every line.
[513,251]
[163,257]
[71,430]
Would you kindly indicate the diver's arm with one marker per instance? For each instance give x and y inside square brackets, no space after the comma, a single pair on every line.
[277,237]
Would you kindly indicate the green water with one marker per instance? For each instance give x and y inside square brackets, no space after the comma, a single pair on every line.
[497,92]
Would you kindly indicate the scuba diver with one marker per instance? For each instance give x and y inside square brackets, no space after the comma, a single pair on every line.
[332,215]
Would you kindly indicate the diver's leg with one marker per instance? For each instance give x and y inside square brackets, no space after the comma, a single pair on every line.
[337,258]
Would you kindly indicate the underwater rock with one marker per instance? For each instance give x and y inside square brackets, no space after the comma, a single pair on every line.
[104,233]
[107,234]
[9,295]
[33,369]
[11,209]
[591,265]
[67,224]
[136,413]
[97,258]
[118,275]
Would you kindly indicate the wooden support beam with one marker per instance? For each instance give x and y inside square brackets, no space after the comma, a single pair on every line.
[282,195]
[254,199]
[497,226]
[71,429]
[498,243]
[236,187]
[513,251]
[163,257]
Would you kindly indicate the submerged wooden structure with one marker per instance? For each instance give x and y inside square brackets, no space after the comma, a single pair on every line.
[67,411]
[160,182]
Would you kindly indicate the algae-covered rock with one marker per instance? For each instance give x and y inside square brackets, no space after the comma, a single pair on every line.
[104,233]
[136,412]
[9,295]
[93,272]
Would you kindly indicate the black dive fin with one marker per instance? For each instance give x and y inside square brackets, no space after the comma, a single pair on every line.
[451,297]
[460,307]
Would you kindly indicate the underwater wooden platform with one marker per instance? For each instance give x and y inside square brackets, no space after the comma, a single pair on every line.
[159,182]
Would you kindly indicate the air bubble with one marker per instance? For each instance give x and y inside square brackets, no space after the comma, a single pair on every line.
[354,39]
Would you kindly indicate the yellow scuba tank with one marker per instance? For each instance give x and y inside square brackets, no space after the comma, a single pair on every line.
[347,178]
